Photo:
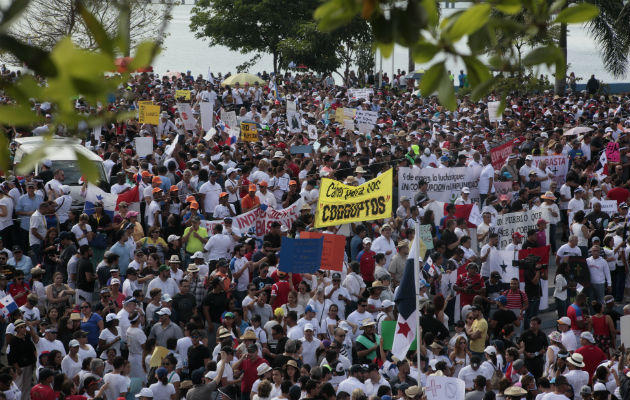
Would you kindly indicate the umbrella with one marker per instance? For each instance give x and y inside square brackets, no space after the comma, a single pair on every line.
[577,131]
[242,79]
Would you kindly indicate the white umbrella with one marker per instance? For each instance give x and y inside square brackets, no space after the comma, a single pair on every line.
[577,131]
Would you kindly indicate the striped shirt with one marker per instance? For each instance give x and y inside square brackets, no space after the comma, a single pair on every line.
[515,300]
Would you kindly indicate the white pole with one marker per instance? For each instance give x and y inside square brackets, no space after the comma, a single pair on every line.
[416,270]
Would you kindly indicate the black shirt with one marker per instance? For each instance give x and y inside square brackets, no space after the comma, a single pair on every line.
[534,342]
[217,302]
[22,351]
[449,238]
[275,240]
[85,266]
[196,355]
[184,305]
[432,324]
[533,291]
[503,317]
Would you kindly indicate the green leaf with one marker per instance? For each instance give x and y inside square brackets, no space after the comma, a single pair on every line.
[431,79]
[386,49]
[28,162]
[446,92]
[96,29]
[335,13]
[482,89]
[16,7]
[35,58]
[578,13]
[469,21]
[144,55]
[424,52]
[477,71]
[509,6]
[5,153]
[556,6]
[433,16]
[542,55]
[124,26]
[88,167]
[17,115]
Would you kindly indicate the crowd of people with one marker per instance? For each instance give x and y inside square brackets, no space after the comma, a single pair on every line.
[156,302]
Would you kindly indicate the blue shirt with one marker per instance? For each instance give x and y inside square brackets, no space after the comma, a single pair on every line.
[356,245]
[24,265]
[125,256]
[166,183]
[25,203]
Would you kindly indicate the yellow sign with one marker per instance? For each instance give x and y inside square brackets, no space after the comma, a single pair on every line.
[339,114]
[149,114]
[249,132]
[340,204]
[145,102]
[182,93]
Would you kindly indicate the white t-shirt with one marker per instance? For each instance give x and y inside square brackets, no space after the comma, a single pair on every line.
[117,384]
[487,173]
[162,392]
[69,366]
[8,219]
[211,192]
[154,207]
[78,232]
[218,246]
[566,250]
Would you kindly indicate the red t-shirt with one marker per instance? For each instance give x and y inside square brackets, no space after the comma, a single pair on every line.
[367,265]
[296,278]
[593,356]
[463,281]
[43,392]
[281,291]
[250,373]
[15,289]
[574,312]
[618,194]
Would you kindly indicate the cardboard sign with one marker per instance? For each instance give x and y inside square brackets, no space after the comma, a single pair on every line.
[291,106]
[624,323]
[207,115]
[144,146]
[364,93]
[185,113]
[445,184]
[559,165]
[332,252]
[612,152]
[149,114]
[294,121]
[493,110]
[229,119]
[339,114]
[182,93]
[249,132]
[312,132]
[444,388]
[426,236]
[521,221]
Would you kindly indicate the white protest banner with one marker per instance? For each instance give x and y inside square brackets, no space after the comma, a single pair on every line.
[624,324]
[444,388]
[229,119]
[348,124]
[366,117]
[144,146]
[493,109]
[312,132]
[559,165]
[294,121]
[608,206]
[360,93]
[260,220]
[291,106]
[185,113]
[171,147]
[207,115]
[521,222]
[445,184]
[349,113]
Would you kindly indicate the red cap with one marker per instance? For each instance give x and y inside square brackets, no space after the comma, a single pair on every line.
[541,221]
[517,235]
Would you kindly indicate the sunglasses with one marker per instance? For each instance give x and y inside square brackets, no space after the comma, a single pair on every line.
[83,307]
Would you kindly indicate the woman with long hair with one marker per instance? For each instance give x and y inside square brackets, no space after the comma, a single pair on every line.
[154,239]
[91,322]
[603,328]
[292,304]
[581,231]
[291,372]
[59,294]
[110,337]
[560,294]
[170,363]
[135,342]
[52,315]
[559,367]
[162,389]
[460,356]
[555,347]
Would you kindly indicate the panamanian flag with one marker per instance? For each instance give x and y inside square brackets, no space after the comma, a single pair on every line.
[405,299]
[429,268]
[110,201]
[7,305]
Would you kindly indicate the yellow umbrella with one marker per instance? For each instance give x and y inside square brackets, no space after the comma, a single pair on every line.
[242,79]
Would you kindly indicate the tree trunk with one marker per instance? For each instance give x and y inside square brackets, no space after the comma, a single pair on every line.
[411,67]
[275,63]
[561,78]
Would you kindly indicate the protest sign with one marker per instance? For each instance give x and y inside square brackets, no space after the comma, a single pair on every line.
[148,114]
[259,220]
[348,124]
[608,206]
[522,221]
[366,117]
[340,204]
[559,165]
[185,113]
[500,153]
[445,184]
[339,114]
[349,113]
[426,236]
[207,115]
[625,330]
[249,132]
[144,146]
[360,93]
[294,121]
[444,388]
[312,132]
[300,255]
[332,252]
[229,119]
[304,149]
[612,152]
[493,110]
[503,188]
[185,94]
[291,106]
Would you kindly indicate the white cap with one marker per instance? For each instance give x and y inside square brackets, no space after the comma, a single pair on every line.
[197,254]
[47,163]
[65,189]
[111,317]
[367,240]
[427,151]
[115,281]
[387,303]
[465,190]
[599,387]
[230,170]
[172,238]
[308,327]
[490,350]
[565,321]
[529,158]
[74,343]
[145,392]
[164,311]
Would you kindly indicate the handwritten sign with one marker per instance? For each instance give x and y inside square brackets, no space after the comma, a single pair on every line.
[149,114]
[339,114]
[444,388]
[144,146]
[207,115]
[249,132]
[360,93]
[426,236]
[493,110]
[185,94]
[229,119]
[612,152]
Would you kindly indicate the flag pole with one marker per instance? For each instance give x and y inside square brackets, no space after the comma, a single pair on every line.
[416,269]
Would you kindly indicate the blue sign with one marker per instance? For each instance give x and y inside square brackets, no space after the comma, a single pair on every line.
[300,255]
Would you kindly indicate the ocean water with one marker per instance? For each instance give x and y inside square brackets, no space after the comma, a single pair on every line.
[184,52]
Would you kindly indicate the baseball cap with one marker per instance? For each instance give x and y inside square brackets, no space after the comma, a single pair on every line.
[565,321]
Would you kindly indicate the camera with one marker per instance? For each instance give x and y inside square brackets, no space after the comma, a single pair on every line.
[529,262]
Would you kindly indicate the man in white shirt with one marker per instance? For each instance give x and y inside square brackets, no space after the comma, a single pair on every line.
[568,249]
[53,187]
[384,244]
[354,283]
[486,180]
[338,294]
[354,381]
[164,282]
[265,196]
[359,315]
[464,197]
[575,376]
[310,344]
[569,340]
[154,210]
[600,274]
[50,342]
[526,168]
[210,192]
[219,245]
[576,203]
